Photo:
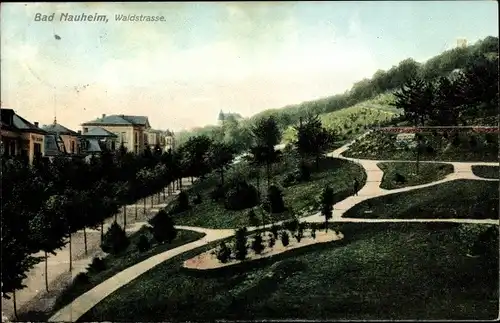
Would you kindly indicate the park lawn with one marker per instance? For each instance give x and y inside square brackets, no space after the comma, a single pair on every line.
[486,171]
[380,145]
[300,198]
[460,199]
[118,263]
[379,271]
[427,173]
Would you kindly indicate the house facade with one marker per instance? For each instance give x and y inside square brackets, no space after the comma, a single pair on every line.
[163,138]
[131,131]
[19,137]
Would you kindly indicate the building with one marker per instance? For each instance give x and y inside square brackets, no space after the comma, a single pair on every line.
[67,140]
[131,131]
[19,137]
[227,116]
[164,139]
[97,139]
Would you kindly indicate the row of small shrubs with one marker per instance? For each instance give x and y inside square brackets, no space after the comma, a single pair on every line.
[239,249]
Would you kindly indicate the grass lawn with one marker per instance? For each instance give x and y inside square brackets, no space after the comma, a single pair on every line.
[338,173]
[379,271]
[486,171]
[455,199]
[117,263]
[427,173]
[468,147]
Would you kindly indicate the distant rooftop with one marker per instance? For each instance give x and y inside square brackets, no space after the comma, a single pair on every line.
[119,120]
[99,132]
[225,115]
[60,129]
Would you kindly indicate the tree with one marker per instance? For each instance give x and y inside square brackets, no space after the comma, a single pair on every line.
[241,244]
[49,229]
[195,154]
[221,156]
[327,199]
[266,136]
[257,244]
[115,240]
[312,138]
[163,227]
[285,238]
[223,252]
[415,98]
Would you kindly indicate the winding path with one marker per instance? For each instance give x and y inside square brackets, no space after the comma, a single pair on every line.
[371,189]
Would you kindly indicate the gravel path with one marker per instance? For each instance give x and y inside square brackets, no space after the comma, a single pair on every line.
[85,302]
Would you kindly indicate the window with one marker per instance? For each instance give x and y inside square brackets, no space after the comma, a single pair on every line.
[124,137]
[72,147]
[136,135]
[37,150]
[85,130]
[113,145]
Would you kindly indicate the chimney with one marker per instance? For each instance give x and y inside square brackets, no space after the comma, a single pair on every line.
[103,115]
[36,124]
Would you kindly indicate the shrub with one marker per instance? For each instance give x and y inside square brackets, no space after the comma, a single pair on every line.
[97,265]
[257,244]
[313,232]
[292,225]
[82,279]
[181,204]
[275,203]
[473,142]
[272,240]
[218,193]
[398,178]
[115,240]
[223,253]
[197,200]
[163,227]
[285,238]
[241,196]
[143,243]
[304,172]
[252,218]
[274,230]
[241,244]
[289,179]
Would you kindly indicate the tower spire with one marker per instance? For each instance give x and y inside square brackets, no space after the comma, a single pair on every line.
[55,119]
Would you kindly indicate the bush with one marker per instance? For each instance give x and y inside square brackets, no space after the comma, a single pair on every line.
[115,240]
[82,279]
[97,265]
[313,232]
[241,244]
[197,200]
[163,227]
[285,238]
[274,230]
[292,225]
[143,243]
[252,218]
[272,240]
[181,204]
[257,244]
[275,203]
[223,253]
[304,172]
[289,179]
[398,178]
[218,193]
[241,196]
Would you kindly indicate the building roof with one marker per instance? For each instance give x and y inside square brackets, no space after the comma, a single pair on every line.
[121,119]
[99,132]
[24,125]
[51,147]
[93,146]
[60,129]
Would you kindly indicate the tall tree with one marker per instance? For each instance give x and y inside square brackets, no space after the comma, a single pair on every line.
[312,138]
[221,156]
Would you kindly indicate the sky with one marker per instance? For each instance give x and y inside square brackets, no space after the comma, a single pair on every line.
[242,57]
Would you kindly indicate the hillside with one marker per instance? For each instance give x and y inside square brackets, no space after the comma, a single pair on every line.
[367,93]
